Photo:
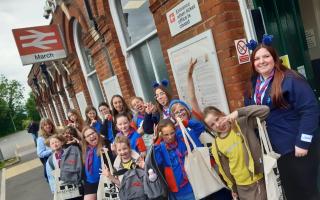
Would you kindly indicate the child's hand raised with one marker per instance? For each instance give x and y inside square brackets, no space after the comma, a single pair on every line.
[140,162]
[230,118]
[149,108]
[192,63]
[105,172]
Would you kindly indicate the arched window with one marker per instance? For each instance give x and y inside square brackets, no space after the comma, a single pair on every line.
[139,42]
[87,65]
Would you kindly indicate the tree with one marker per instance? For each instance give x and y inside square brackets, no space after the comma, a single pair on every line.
[12,112]
[30,106]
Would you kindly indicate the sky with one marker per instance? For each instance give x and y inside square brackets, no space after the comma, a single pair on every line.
[17,14]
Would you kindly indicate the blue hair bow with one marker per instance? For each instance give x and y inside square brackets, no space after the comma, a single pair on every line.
[164,83]
[266,40]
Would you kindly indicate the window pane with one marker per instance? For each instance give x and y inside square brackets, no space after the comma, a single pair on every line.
[85,52]
[94,83]
[145,70]
[136,19]
[158,60]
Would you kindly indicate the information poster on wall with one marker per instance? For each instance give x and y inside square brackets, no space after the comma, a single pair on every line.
[111,87]
[207,76]
[82,103]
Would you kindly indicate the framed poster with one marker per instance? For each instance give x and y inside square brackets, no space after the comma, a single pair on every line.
[111,87]
[207,75]
[82,103]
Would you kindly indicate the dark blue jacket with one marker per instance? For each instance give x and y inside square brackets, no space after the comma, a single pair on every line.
[297,124]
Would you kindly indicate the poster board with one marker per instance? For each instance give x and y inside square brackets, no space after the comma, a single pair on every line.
[111,87]
[207,76]
[82,103]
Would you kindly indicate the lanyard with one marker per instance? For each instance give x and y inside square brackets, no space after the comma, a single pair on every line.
[260,91]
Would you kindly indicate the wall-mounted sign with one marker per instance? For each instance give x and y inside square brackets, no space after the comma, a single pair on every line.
[242,51]
[183,16]
[207,76]
[285,60]
[311,38]
[39,44]
[111,87]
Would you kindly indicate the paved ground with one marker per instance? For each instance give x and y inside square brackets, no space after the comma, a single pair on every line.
[20,139]
[24,180]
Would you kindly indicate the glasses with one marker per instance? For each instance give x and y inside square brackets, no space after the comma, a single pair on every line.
[180,112]
[159,94]
[89,135]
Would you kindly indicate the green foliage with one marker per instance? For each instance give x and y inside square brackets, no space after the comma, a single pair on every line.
[25,123]
[30,106]
[11,110]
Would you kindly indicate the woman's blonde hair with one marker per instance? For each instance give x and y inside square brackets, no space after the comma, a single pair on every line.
[85,144]
[42,132]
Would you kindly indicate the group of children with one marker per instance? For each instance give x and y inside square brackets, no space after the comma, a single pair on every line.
[128,134]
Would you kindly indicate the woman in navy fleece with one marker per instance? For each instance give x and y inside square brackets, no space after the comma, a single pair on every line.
[293,121]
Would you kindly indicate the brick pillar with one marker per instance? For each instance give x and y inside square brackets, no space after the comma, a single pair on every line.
[60,111]
[54,113]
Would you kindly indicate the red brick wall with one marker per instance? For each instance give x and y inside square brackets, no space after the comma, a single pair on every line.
[224,19]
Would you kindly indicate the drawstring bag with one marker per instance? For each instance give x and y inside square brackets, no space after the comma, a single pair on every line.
[203,179]
[107,190]
[271,172]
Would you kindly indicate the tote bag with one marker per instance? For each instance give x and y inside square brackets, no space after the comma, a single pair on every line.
[107,190]
[62,190]
[203,179]
[271,172]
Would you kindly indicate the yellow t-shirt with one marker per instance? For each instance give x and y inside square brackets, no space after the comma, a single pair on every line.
[127,165]
[232,147]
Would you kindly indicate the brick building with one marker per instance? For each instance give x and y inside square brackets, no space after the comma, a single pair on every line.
[122,46]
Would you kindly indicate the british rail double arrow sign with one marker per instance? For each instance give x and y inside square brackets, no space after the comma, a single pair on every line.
[39,44]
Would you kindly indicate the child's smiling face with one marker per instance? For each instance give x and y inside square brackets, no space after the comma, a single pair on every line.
[168,134]
[91,137]
[214,122]
[124,151]
[123,124]
[55,144]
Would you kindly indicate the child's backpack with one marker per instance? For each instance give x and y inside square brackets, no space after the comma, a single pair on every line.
[157,188]
[131,187]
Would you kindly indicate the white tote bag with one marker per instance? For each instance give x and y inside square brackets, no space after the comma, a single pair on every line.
[107,190]
[203,179]
[62,190]
[271,172]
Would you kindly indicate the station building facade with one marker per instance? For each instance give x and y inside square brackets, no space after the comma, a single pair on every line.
[123,46]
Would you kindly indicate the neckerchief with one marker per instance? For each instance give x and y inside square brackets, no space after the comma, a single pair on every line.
[166,113]
[173,146]
[259,91]
[89,159]
[58,157]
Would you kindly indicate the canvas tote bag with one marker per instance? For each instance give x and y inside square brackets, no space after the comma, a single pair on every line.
[271,172]
[62,190]
[107,190]
[203,179]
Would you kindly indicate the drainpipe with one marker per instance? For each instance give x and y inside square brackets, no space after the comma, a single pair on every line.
[96,35]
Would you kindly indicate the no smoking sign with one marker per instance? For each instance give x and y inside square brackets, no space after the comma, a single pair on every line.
[242,51]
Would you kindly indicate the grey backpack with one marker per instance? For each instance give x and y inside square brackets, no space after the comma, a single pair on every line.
[157,189]
[131,187]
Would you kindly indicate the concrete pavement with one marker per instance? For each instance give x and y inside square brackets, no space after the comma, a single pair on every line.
[24,180]
[19,140]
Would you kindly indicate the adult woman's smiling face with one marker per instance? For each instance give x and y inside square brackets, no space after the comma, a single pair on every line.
[263,62]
